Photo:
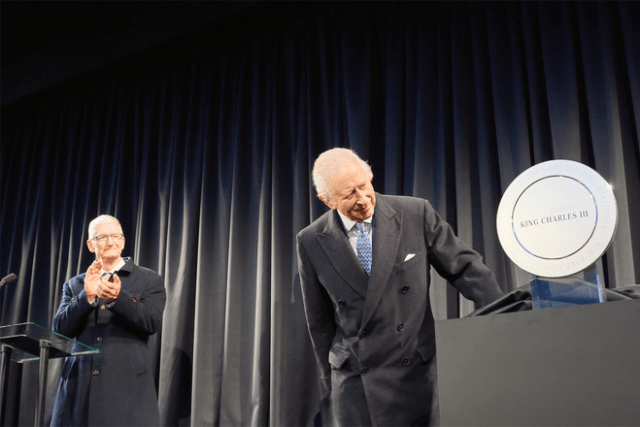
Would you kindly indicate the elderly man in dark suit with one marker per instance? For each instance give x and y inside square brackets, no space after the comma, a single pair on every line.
[115,306]
[364,272]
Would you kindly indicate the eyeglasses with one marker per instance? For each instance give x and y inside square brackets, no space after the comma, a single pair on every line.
[114,238]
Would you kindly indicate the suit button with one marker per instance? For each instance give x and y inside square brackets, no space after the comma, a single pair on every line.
[400,326]
[342,303]
[95,372]
[363,335]
[99,339]
[405,361]
[364,371]
[404,289]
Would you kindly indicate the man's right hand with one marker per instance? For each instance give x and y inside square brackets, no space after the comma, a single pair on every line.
[92,280]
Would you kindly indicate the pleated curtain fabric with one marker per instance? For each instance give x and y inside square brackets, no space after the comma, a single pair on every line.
[205,150]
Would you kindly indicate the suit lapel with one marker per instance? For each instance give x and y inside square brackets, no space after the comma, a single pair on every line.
[386,240]
[336,245]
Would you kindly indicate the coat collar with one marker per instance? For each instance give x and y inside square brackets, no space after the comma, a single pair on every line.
[128,265]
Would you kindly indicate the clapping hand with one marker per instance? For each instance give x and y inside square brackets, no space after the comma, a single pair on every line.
[92,280]
[109,291]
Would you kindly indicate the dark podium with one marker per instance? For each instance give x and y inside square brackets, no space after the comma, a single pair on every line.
[27,342]
[572,366]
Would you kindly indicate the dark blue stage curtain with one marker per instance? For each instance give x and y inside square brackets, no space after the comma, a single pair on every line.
[203,149]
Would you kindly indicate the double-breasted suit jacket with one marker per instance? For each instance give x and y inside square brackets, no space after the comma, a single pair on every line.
[115,387]
[374,336]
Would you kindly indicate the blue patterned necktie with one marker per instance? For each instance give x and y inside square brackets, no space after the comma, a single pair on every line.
[363,247]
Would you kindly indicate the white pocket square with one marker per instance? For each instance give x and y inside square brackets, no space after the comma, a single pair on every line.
[409,256]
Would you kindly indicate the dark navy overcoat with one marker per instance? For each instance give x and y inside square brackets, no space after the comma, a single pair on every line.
[116,386]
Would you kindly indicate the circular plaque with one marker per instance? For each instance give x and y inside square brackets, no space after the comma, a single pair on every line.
[557,218]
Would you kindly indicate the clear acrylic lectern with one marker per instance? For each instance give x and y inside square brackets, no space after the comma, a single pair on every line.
[28,342]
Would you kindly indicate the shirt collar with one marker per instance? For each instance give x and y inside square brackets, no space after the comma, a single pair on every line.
[118,267]
[348,223]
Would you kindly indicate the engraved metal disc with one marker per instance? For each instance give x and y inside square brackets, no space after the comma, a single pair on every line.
[557,218]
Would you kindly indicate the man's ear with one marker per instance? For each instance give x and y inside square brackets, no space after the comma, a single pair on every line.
[331,204]
[90,245]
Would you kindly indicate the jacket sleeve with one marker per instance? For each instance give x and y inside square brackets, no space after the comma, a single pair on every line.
[460,265]
[74,308]
[142,312]
[319,313]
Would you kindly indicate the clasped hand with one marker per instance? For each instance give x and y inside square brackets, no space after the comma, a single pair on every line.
[95,287]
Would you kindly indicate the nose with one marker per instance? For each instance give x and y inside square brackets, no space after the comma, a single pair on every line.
[361,198]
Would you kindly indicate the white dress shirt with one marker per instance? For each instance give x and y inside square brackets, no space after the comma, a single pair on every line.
[352,231]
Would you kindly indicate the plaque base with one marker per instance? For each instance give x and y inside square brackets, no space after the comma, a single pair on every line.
[579,289]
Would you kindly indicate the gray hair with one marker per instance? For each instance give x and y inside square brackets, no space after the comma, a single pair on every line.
[329,164]
[102,219]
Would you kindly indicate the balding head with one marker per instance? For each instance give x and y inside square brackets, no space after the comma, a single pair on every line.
[343,182]
[330,164]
